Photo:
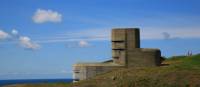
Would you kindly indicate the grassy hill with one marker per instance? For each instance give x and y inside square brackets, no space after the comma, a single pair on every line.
[179,71]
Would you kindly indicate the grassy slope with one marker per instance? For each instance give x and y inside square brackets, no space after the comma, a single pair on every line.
[181,72]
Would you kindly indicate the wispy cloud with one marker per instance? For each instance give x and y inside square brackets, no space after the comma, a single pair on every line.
[78,36]
[3,35]
[104,34]
[42,16]
[84,36]
[65,71]
[169,33]
[83,43]
[14,32]
[27,43]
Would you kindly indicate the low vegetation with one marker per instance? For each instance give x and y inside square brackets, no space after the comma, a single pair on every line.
[178,71]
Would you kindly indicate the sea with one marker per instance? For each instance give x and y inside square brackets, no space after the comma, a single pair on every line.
[32,81]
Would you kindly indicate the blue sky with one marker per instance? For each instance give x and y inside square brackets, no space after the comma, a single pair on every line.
[43,38]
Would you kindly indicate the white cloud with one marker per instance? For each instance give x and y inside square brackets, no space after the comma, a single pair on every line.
[15,37]
[83,43]
[42,16]
[14,32]
[27,43]
[3,35]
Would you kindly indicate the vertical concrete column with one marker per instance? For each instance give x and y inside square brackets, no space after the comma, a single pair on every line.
[119,46]
[133,38]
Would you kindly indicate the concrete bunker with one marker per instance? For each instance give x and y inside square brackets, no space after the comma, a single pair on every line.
[126,52]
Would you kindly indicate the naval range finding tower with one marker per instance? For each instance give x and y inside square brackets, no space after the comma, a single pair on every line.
[126,52]
[123,40]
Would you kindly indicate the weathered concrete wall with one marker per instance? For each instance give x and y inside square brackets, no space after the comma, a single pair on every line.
[118,34]
[133,38]
[130,37]
[143,57]
[119,56]
[119,46]
[86,71]
[79,73]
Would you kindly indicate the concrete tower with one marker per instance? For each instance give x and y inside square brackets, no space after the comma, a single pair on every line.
[126,49]
[124,39]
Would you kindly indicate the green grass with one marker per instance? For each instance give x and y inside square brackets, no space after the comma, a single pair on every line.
[182,71]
